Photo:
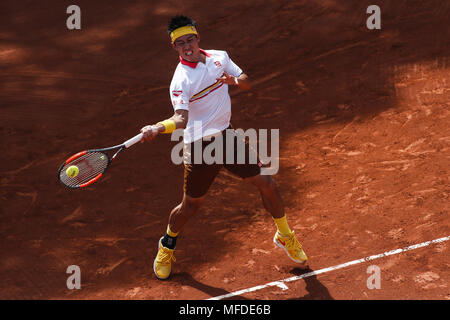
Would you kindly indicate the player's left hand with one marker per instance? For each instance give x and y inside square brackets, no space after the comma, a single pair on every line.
[227,79]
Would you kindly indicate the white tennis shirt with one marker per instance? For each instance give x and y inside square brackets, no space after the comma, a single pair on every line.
[194,88]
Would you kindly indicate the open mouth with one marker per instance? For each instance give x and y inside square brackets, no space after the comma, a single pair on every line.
[188,53]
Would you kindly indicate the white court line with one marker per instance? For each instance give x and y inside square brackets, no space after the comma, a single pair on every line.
[281,283]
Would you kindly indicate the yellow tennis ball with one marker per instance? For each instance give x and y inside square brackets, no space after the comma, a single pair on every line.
[72,171]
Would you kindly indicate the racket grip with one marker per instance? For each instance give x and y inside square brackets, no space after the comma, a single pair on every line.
[133,140]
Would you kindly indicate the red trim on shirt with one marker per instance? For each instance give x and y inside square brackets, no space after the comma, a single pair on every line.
[205,53]
[193,64]
[188,63]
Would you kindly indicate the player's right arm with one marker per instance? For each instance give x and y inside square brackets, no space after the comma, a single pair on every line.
[179,95]
[177,121]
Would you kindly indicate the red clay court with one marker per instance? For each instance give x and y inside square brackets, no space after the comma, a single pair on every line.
[364,150]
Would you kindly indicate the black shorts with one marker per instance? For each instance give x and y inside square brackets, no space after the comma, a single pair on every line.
[200,174]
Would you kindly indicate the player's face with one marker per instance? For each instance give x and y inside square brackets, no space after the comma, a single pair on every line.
[187,47]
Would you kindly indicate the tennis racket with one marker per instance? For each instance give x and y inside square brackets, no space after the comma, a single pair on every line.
[90,165]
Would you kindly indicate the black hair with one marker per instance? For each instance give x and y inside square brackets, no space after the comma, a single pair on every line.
[178,22]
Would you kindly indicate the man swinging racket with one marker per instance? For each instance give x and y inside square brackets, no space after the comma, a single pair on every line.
[199,94]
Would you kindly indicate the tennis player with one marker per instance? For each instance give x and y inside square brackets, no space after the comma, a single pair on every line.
[199,94]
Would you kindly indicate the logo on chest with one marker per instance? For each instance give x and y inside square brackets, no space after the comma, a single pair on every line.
[218,64]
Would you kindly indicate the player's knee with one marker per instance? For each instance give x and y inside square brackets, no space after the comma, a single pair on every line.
[192,205]
[265,183]
[270,184]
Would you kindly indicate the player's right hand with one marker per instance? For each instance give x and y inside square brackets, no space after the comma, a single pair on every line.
[149,133]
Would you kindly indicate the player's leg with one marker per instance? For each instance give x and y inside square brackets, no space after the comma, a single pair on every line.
[284,237]
[269,194]
[197,180]
[251,172]
[181,213]
[162,265]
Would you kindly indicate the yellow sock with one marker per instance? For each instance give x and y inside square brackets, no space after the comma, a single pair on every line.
[170,233]
[282,226]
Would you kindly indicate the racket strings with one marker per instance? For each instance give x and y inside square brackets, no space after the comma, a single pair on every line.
[89,166]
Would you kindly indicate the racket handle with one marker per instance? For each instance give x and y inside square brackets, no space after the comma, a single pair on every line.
[133,140]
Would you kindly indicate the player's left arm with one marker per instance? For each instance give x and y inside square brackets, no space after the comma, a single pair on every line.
[233,74]
[242,81]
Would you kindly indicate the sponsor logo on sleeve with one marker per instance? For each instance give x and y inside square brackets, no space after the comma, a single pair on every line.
[176,93]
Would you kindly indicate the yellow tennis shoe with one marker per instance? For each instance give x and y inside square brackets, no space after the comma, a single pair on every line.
[162,266]
[291,246]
